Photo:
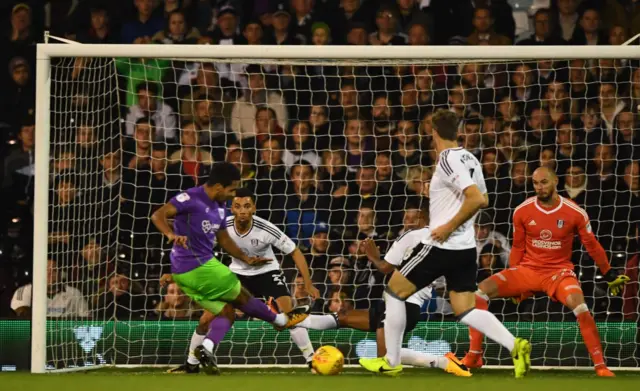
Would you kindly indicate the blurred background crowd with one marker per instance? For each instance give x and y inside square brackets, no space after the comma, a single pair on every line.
[335,154]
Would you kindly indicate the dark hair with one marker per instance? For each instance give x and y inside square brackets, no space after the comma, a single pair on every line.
[483,8]
[158,146]
[245,192]
[265,108]
[223,173]
[145,120]
[303,163]
[152,88]
[445,124]
[542,11]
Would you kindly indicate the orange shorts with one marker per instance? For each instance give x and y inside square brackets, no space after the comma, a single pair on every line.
[557,284]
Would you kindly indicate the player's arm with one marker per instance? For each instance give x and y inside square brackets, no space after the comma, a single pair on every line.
[160,219]
[519,239]
[596,252]
[303,268]
[373,253]
[230,247]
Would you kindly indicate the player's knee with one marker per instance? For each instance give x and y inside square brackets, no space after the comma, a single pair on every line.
[580,309]
[203,323]
[399,287]
[487,289]
[228,312]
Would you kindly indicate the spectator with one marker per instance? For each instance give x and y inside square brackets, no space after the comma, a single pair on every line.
[568,148]
[406,150]
[137,151]
[300,146]
[139,71]
[177,31]
[239,157]
[618,35]
[150,105]
[486,235]
[320,34]
[266,125]
[588,32]
[384,124]
[387,28]
[226,29]
[357,34]
[303,18]
[18,100]
[317,256]
[483,29]
[418,34]
[492,169]
[635,88]
[18,163]
[205,86]
[610,106]
[213,128]
[339,274]
[281,34]
[566,18]
[489,261]
[626,135]
[303,208]
[340,301]
[271,181]
[542,31]
[70,217]
[124,299]
[302,297]
[21,35]
[191,156]
[244,111]
[100,30]
[144,26]
[578,189]
[471,137]
[510,142]
[605,177]
[64,301]
[333,174]
[252,32]
[176,305]
[512,191]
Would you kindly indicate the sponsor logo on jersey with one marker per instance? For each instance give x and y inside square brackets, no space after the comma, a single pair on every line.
[560,223]
[221,212]
[532,222]
[545,234]
[207,227]
[545,241]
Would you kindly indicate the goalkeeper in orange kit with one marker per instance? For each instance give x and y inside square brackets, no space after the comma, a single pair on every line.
[540,261]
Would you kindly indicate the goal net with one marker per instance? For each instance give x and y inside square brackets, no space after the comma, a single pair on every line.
[336,151]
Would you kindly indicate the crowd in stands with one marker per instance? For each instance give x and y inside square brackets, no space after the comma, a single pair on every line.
[335,154]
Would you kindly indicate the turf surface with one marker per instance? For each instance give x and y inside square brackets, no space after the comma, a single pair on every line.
[299,380]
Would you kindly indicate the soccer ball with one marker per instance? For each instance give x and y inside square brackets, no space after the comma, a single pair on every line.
[327,361]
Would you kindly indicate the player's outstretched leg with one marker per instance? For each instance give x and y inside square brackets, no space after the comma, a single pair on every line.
[449,363]
[218,328]
[255,308]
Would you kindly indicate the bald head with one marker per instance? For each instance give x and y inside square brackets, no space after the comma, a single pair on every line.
[545,182]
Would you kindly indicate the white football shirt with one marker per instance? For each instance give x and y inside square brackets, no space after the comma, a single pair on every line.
[258,242]
[401,250]
[456,170]
[67,302]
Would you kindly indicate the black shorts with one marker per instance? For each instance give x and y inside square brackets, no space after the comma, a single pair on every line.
[266,285]
[377,315]
[427,263]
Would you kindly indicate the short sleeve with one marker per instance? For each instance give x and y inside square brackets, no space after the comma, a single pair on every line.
[284,243]
[455,172]
[21,297]
[395,255]
[182,202]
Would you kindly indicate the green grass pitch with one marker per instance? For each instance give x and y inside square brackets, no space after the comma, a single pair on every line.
[300,380]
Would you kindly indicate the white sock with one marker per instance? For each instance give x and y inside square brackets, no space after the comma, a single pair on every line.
[418,359]
[196,340]
[280,320]
[208,345]
[319,322]
[300,336]
[489,325]
[395,321]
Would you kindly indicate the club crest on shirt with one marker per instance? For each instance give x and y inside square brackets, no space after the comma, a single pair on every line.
[221,213]
[560,223]
[254,242]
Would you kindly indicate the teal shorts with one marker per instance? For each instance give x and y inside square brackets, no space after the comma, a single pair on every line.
[212,285]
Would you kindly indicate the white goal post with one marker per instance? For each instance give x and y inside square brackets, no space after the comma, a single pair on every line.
[311,55]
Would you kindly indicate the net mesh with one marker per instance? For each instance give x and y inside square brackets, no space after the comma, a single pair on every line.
[336,152]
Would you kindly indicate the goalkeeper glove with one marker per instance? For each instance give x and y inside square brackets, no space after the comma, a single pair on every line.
[615,281]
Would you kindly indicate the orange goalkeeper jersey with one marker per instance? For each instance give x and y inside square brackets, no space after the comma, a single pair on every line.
[543,238]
